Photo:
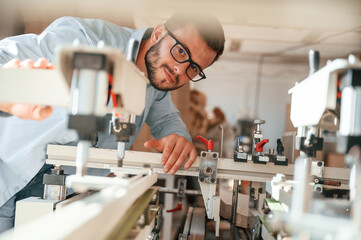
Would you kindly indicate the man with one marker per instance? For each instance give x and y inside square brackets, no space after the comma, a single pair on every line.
[170,55]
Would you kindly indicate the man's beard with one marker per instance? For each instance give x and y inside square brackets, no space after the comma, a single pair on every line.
[151,60]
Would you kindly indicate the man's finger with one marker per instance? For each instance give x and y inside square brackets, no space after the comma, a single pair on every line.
[177,150]
[168,148]
[155,143]
[182,157]
[50,66]
[41,63]
[192,158]
[13,63]
[40,113]
[28,63]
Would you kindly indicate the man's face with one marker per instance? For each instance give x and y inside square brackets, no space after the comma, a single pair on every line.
[164,72]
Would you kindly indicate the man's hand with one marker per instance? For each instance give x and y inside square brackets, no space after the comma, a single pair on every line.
[175,150]
[24,111]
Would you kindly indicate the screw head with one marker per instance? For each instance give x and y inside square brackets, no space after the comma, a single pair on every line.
[204,154]
[258,121]
[214,155]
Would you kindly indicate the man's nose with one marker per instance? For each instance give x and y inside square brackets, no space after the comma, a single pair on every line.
[180,68]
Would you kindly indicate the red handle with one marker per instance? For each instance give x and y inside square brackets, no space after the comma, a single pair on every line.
[177,208]
[208,143]
[260,145]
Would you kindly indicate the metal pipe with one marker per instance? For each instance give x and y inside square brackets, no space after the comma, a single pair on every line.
[222,133]
[175,191]
[234,208]
[120,153]
[82,157]
[301,194]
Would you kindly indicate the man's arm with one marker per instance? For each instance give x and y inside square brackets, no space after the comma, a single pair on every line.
[173,137]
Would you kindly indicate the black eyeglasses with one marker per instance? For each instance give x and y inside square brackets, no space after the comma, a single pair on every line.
[181,55]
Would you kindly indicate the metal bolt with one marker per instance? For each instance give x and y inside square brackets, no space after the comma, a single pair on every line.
[207,171]
[214,155]
[124,125]
[203,154]
[319,164]
[213,180]
[202,179]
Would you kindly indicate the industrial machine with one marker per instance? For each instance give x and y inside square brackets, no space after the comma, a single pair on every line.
[127,205]
[316,107]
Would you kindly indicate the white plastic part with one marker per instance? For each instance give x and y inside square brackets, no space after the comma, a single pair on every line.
[317,93]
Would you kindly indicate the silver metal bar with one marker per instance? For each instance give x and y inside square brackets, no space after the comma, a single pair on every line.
[221,148]
[234,208]
[227,168]
[197,228]
[175,191]
[234,201]
[301,195]
[120,153]
[187,224]
[82,157]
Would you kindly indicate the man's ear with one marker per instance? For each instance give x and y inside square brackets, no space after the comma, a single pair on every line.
[157,34]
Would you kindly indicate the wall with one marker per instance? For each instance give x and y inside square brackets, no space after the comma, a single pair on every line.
[231,85]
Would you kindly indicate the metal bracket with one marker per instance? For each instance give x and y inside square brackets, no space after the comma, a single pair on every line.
[317,168]
[208,167]
[207,182]
[182,183]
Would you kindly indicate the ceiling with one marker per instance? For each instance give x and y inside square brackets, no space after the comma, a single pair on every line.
[252,28]
[276,27]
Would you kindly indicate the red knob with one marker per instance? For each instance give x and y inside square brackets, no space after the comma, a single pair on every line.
[260,145]
[177,208]
[208,143]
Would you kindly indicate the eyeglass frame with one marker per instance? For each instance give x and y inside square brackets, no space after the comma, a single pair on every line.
[188,60]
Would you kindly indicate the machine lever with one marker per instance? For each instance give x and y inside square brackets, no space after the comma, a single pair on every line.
[209,143]
[260,145]
[177,208]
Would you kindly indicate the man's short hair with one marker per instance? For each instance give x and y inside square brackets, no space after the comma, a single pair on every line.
[207,25]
